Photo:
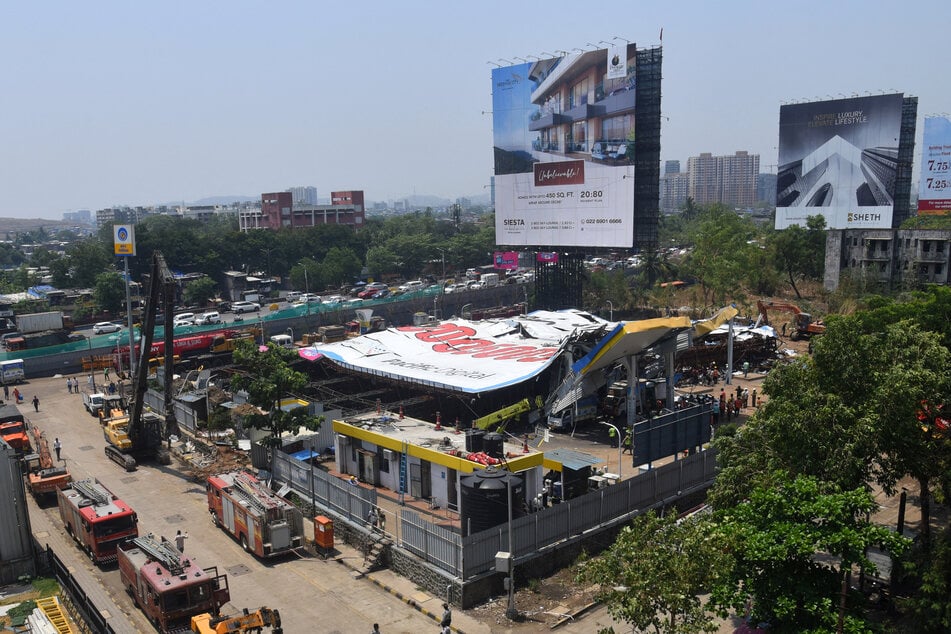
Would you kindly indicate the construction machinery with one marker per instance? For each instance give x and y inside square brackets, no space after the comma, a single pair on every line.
[145,430]
[43,476]
[169,587]
[502,416]
[263,522]
[247,622]
[803,326]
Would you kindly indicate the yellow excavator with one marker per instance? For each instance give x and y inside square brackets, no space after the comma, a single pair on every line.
[247,622]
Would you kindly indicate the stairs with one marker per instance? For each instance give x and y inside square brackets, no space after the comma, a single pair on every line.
[375,555]
[54,612]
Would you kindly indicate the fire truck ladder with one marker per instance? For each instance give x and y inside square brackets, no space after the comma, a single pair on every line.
[163,552]
[92,492]
[259,499]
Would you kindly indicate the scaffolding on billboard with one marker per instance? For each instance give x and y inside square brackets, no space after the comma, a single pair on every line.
[647,156]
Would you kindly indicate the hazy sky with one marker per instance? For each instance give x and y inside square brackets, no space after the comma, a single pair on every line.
[128,103]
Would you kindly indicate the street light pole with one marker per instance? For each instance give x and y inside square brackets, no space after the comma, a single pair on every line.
[620,448]
[611,306]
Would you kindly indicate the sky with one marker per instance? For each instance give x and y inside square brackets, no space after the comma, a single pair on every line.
[138,103]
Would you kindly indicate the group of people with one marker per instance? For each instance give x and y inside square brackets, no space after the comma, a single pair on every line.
[376,519]
[729,405]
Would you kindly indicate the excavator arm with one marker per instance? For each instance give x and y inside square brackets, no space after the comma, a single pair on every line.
[249,621]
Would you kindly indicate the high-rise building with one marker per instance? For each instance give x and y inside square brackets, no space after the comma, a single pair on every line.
[673,191]
[303,195]
[672,167]
[729,179]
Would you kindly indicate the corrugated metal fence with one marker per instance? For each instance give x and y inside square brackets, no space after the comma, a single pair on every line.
[352,503]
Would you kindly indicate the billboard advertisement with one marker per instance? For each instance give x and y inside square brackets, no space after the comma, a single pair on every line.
[934,186]
[563,135]
[838,159]
[506,260]
[123,240]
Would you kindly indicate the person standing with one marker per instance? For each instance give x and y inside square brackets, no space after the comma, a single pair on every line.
[376,629]
[36,402]
[6,392]
[91,382]
[372,518]
[180,541]
[446,617]
[612,435]
[57,447]
[746,368]
[69,385]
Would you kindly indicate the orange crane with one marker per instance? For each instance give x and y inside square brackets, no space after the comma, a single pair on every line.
[803,325]
[44,477]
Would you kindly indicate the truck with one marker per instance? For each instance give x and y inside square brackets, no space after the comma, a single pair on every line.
[96,519]
[582,410]
[39,322]
[43,476]
[489,280]
[92,401]
[167,586]
[13,429]
[263,523]
[12,371]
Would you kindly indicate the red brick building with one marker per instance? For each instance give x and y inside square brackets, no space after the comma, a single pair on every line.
[278,210]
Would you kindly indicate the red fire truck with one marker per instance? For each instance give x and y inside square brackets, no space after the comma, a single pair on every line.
[168,586]
[264,523]
[96,518]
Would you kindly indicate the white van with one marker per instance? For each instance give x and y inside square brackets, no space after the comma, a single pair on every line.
[282,341]
[490,280]
[292,296]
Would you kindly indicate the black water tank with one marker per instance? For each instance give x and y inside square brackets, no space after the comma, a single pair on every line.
[492,445]
[485,499]
[474,440]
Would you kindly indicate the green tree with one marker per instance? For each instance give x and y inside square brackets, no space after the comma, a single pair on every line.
[87,260]
[340,266]
[653,573]
[721,253]
[109,292]
[306,275]
[794,544]
[800,252]
[267,378]
[199,292]
[930,604]
[381,261]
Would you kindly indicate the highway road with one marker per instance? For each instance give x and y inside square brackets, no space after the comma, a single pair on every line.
[313,595]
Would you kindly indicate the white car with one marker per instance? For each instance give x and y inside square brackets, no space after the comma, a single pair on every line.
[105,326]
[207,319]
[414,285]
[454,288]
[183,319]
[334,299]
[245,307]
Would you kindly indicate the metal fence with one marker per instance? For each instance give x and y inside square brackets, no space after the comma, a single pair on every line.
[349,502]
[602,508]
[91,614]
[466,557]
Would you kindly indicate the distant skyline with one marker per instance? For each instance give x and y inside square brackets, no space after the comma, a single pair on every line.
[115,103]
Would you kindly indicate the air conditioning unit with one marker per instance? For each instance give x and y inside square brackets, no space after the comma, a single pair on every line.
[388,454]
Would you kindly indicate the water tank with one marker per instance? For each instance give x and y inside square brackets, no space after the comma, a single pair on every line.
[492,445]
[474,440]
[485,499]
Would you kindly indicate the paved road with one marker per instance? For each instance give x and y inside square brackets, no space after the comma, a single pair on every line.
[313,595]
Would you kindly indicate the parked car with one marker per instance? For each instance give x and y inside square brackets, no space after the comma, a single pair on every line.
[334,299]
[454,288]
[309,298]
[245,307]
[224,307]
[103,327]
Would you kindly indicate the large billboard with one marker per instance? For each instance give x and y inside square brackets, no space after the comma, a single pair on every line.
[564,141]
[838,159]
[934,187]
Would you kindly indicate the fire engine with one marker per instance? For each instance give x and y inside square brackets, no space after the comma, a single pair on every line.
[96,518]
[168,586]
[264,523]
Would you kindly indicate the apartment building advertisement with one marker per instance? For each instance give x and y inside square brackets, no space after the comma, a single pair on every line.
[563,134]
[934,185]
[838,159]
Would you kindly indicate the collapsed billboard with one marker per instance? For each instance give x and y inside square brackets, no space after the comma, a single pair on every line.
[563,134]
[839,159]
[934,186]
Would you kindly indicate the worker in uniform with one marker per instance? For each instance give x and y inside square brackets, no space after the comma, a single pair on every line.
[612,435]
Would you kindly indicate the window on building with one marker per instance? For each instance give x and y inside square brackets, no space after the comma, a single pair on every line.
[617,128]
[939,269]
